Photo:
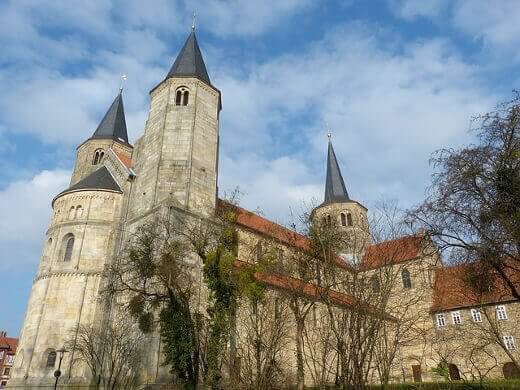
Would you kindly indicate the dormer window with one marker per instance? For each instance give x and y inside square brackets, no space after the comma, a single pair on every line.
[181,96]
[98,156]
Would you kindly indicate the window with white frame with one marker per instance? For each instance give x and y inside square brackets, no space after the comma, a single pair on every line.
[10,360]
[476,315]
[501,312]
[456,317]
[1,355]
[441,321]
[509,342]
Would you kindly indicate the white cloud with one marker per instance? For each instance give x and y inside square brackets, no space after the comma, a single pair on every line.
[491,22]
[389,107]
[25,209]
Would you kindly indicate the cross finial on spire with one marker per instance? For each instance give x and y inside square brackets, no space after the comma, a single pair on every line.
[193,21]
[329,135]
[124,77]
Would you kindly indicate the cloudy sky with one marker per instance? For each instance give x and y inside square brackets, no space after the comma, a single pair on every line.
[393,80]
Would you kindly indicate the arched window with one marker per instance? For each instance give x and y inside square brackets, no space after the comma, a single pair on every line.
[68,241]
[407,280]
[98,156]
[329,220]
[343,219]
[181,96]
[71,213]
[454,372]
[79,211]
[51,359]
[349,219]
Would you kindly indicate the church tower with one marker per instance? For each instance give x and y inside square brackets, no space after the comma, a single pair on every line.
[80,241]
[340,210]
[176,160]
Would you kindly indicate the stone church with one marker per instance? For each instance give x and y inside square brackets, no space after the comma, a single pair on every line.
[115,186]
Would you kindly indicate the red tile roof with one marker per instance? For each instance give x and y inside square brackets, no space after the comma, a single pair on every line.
[9,343]
[252,221]
[310,290]
[127,161]
[452,289]
[393,251]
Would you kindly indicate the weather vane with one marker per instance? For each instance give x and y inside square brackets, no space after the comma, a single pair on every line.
[193,21]
[123,79]
[329,134]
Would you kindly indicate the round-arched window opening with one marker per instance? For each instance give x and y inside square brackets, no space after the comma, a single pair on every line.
[182,96]
[98,156]
[454,372]
[349,219]
[343,219]
[68,242]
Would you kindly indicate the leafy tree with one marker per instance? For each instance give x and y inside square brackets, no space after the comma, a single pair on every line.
[154,281]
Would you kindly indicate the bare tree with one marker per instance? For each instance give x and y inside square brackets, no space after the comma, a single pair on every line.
[112,353]
[263,341]
[473,210]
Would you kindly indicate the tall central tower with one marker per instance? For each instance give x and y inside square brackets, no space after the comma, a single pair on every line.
[177,157]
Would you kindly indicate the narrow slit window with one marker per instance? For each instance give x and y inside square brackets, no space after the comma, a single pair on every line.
[185,98]
[343,219]
[69,246]
[178,98]
[407,280]
[349,219]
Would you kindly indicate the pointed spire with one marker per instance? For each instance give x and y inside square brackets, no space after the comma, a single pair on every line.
[189,62]
[335,190]
[113,124]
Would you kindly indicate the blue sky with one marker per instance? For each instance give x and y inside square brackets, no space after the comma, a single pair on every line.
[394,80]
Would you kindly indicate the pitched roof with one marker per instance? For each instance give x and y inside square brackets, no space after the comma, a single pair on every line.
[189,62]
[127,161]
[113,124]
[101,179]
[310,290]
[8,343]
[393,251]
[452,289]
[261,225]
[335,190]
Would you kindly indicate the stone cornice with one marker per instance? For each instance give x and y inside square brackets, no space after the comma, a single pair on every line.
[66,273]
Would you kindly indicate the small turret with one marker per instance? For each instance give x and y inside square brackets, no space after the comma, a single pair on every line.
[340,210]
[111,133]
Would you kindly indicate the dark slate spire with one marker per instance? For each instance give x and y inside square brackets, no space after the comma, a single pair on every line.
[335,190]
[113,124]
[189,62]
